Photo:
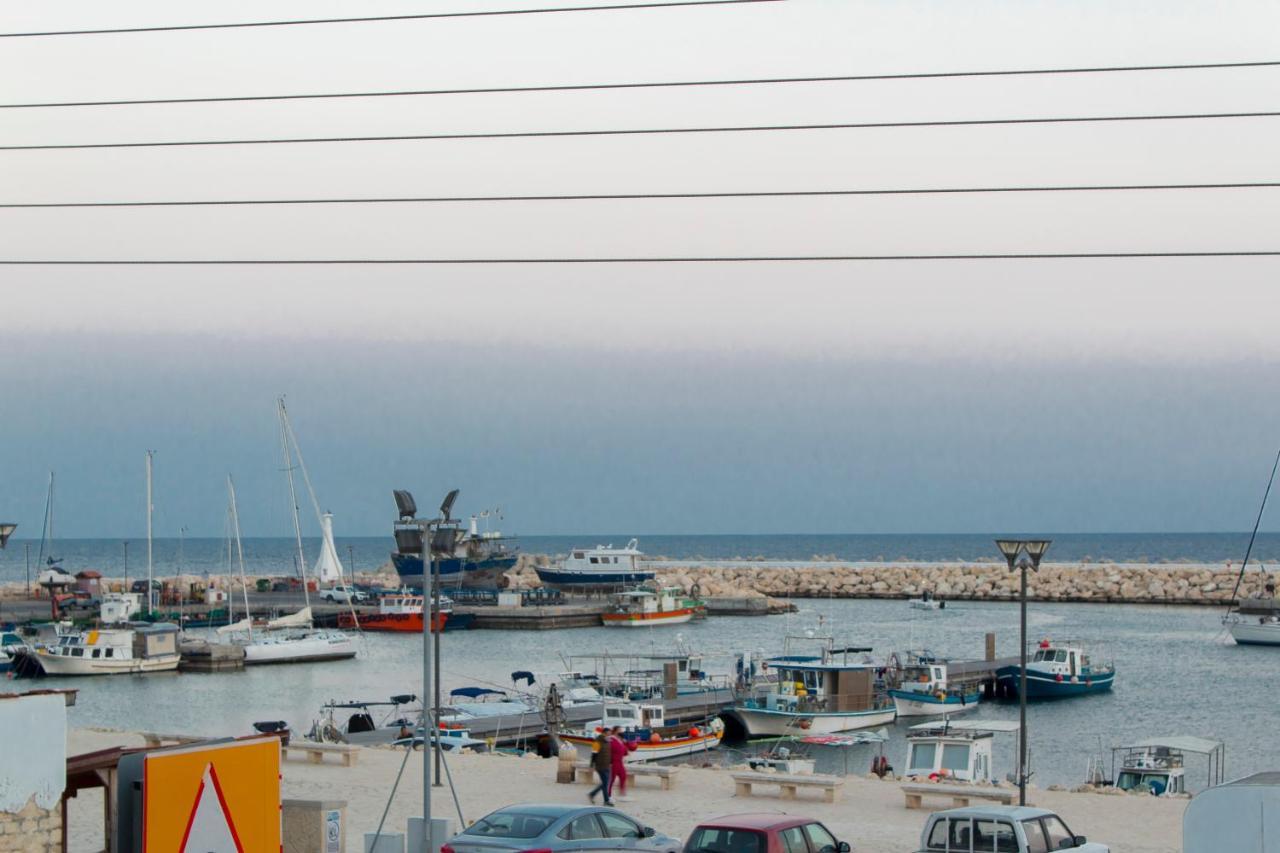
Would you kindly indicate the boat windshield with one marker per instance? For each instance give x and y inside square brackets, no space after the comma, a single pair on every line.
[1158,783]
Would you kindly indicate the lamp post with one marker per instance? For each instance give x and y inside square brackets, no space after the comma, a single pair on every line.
[1023,554]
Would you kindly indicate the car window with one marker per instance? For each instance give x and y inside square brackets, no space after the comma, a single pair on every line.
[582,827]
[1035,836]
[1060,838]
[617,826]
[822,840]
[793,840]
[509,825]
[991,836]
[713,839]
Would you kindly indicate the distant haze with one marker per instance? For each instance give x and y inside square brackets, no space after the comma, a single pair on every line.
[1086,395]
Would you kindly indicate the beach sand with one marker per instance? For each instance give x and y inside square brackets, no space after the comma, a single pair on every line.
[870,814]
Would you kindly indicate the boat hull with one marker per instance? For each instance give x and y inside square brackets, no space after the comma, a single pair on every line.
[643,620]
[59,666]
[760,722]
[305,650]
[648,751]
[591,581]
[916,704]
[454,571]
[1246,634]
[404,623]
[1041,686]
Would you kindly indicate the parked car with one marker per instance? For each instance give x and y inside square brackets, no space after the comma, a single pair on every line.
[763,833]
[556,828]
[1001,829]
[344,595]
[141,586]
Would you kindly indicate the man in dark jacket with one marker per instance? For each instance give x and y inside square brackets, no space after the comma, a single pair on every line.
[602,761]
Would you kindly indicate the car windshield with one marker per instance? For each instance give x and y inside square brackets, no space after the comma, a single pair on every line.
[715,839]
[504,824]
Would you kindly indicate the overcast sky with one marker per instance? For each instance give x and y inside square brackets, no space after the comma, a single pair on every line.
[1085,395]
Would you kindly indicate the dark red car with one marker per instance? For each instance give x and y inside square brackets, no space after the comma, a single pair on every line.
[763,833]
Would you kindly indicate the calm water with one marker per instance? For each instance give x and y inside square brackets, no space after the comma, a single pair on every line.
[1175,676]
[276,555]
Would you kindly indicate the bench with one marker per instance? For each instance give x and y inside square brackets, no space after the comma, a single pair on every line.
[347,753]
[155,739]
[583,772]
[789,784]
[960,794]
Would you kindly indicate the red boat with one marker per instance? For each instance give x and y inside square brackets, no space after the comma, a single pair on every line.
[399,612]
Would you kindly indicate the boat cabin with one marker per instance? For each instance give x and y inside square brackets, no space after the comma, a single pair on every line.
[959,752]
[134,643]
[633,717]
[812,685]
[604,558]
[1063,659]
[1157,765]
[925,677]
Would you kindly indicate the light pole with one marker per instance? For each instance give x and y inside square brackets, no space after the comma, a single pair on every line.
[126,565]
[1023,554]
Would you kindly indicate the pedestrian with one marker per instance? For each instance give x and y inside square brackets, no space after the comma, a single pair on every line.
[602,761]
[618,770]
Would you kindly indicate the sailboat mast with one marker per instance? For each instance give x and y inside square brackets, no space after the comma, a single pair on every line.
[150,510]
[235,524]
[45,536]
[293,498]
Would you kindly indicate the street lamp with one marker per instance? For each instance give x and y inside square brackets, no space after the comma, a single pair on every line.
[1023,554]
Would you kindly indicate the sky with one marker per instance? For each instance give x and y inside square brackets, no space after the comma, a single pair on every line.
[908,396]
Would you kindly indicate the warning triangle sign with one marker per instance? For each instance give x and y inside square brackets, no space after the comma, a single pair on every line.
[210,828]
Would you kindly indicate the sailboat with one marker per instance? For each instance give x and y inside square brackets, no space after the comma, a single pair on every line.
[1255,621]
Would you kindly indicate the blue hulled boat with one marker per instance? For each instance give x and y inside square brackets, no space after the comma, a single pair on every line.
[1059,671]
[924,690]
[478,559]
[601,568]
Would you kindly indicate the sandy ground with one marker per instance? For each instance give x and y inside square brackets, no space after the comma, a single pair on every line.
[870,814]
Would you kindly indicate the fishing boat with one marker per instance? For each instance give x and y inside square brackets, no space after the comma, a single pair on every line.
[1158,765]
[638,608]
[10,645]
[402,612]
[837,690]
[1059,671]
[954,752]
[477,560]
[108,651]
[646,732]
[360,726]
[924,691]
[926,601]
[600,568]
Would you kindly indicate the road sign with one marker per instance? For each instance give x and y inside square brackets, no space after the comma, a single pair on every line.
[213,798]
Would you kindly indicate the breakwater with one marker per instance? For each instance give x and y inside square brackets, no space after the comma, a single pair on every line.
[1124,583]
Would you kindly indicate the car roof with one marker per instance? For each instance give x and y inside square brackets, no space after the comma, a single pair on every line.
[543,809]
[1008,812]
[756,820]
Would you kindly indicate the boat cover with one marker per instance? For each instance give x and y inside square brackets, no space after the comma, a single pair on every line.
[475,692]
[240,627]
[301,619]
[1180,743]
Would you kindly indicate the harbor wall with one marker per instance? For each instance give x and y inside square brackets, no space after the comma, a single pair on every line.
[1126,583]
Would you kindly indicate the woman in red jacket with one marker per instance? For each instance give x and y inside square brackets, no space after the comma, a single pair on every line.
[619,759]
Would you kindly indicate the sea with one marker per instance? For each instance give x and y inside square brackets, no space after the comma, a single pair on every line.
[1177,672]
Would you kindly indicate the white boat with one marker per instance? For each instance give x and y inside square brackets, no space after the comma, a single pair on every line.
[640,724]
[10,645]
[924,691]
[641,608]
[926,601]
[1158,765]
[953,752]
[837,690]
[600,568]
[112,651]
[1253,630]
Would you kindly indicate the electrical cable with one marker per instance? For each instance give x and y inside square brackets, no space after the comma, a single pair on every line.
[644,131]
[646,196]
[759,81]
[1010,256]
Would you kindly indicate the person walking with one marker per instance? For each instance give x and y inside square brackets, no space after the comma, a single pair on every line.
[602,761]
[618,757]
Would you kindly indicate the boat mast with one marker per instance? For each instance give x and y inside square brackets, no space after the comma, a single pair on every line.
[46,532]
[235,524]
[293,504]
[150,510]
[1254,535]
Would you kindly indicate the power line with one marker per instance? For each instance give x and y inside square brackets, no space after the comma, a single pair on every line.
[758,81]
[640,131]
[735,259]
[420,17]
[643,196]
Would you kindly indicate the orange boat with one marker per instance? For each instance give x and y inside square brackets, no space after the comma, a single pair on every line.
[400,612]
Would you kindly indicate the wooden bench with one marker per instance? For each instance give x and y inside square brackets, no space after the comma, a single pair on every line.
[155,739]
[960,794]
[346,752]
[583,772]
[789,784]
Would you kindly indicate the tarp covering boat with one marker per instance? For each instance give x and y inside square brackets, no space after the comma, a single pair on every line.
[241,627]
[475,692]
[301,619]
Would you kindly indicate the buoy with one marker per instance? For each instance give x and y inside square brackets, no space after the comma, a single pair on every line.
[655,738]
[695,732]
[806,723]
[1058,678]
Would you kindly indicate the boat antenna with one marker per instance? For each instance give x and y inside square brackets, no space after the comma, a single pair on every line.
[1254,535]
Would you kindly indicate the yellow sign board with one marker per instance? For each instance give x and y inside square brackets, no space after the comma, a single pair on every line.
[213,798]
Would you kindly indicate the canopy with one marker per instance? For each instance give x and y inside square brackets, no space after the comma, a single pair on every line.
[847,739]
[243,626]
[522,675]
[475,692]
[301,619]
[1179,743]
[971,726]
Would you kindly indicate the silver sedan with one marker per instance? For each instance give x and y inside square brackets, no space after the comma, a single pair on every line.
[556,828]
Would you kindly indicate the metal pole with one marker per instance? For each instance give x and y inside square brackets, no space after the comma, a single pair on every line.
[150,572]
[1022,701]
[426,692]
[26,547]
[435,615]
[126,565]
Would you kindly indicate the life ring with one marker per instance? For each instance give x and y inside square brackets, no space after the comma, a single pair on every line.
[806,723]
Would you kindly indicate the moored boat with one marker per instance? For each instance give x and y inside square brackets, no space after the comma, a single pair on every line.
[646,732]
[402,612]
[478,558]
[601,568]
[924,691]
[954,752]
[10,645]
[107,651]
[641,607]
[1059,671]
